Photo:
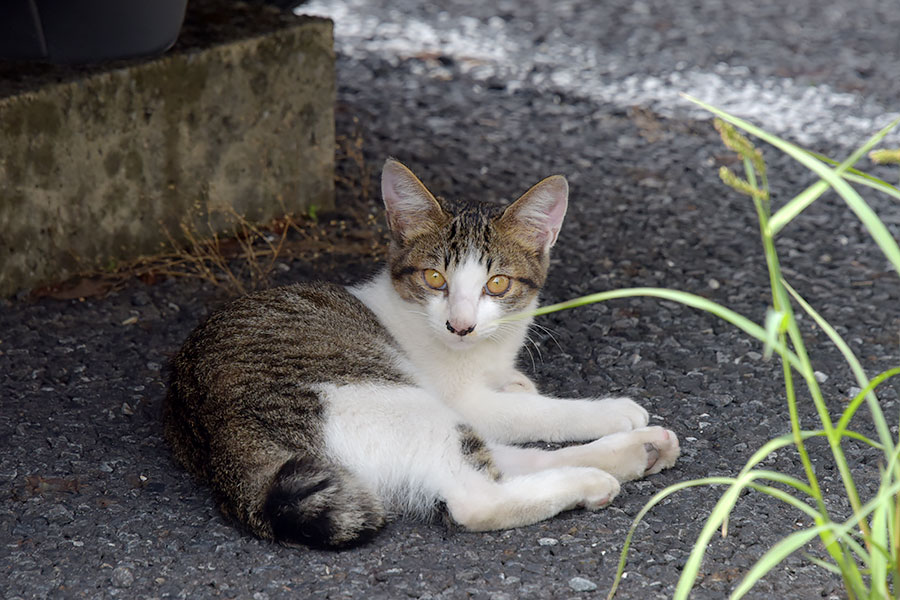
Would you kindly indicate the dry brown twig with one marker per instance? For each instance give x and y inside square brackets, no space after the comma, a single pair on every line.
[240,260]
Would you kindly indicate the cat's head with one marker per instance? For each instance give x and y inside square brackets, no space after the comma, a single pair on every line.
[465,264]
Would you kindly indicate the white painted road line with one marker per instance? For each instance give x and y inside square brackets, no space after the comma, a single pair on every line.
[809,115]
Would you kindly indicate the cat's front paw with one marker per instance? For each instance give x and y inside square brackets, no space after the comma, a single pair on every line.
[599,489]
[622,414]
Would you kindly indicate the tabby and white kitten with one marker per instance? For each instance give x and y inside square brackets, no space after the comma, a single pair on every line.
[316,412]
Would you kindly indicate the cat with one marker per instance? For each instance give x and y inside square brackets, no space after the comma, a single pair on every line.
[317,412]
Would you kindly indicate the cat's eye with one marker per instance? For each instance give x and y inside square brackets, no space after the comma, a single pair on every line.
[497,285]
[434,279]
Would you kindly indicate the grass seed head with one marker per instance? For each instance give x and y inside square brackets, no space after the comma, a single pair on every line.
[741,185]
[740,144]
[886,156]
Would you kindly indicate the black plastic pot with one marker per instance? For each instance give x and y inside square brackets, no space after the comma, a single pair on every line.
[84,31]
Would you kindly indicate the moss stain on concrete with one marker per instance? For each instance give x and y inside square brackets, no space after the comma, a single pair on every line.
[90,168]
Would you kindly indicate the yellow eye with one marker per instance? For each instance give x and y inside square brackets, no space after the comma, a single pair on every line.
[497,285]
[434,279]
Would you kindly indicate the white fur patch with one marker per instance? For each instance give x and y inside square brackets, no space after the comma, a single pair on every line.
[464,306]
[400,440]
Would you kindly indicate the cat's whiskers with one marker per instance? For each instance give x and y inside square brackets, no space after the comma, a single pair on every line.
[531,354]
[537,347]
[503,327]
[549,332]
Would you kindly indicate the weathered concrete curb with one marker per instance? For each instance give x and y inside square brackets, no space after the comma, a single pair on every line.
[93,169]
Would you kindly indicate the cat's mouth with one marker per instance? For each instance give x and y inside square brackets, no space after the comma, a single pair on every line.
[461,342]
[471,339]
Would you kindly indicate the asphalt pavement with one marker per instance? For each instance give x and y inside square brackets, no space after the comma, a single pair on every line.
[482,100]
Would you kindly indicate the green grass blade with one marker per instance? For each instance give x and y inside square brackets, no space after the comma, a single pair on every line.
[785,497]
[879,185]
[781,302]
[774,325]
[821,563]
[861,177]
[775,555]
[858,399]
[849,544]
[796,205]
[886,496]
[662,494]
[879,557]
[780,478]
[894,530]
[881,425]
[688,299]
[656,499]
[736,486]
[718,515]
[870,220]
[859,437]
[776,444]
[853,577]
[883,521]
[788,438]
[845,433]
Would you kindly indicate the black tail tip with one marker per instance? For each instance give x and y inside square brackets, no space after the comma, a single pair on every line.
[320,506]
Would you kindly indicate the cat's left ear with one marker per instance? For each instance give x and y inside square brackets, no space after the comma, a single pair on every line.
[538,214]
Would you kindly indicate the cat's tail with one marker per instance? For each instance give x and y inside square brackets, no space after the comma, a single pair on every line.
[315,502]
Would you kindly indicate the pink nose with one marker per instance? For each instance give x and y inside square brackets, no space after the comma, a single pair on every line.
[460,329]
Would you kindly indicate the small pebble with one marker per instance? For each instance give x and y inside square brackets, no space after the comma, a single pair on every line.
[471,574]
[59,514]
[720,400]
[820,376]
[140,299]
[580,584]
[122,577]
[548,541]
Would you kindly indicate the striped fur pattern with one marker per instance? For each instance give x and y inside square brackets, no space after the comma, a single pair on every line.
[316,413]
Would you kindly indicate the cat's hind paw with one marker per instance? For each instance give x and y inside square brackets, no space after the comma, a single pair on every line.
[629,454]
[663,451]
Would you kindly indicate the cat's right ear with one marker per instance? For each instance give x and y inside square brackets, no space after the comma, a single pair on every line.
[411,209]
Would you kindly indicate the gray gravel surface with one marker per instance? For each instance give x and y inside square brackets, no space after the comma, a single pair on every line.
[91,505]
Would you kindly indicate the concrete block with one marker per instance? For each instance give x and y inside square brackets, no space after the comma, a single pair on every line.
[94,162]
